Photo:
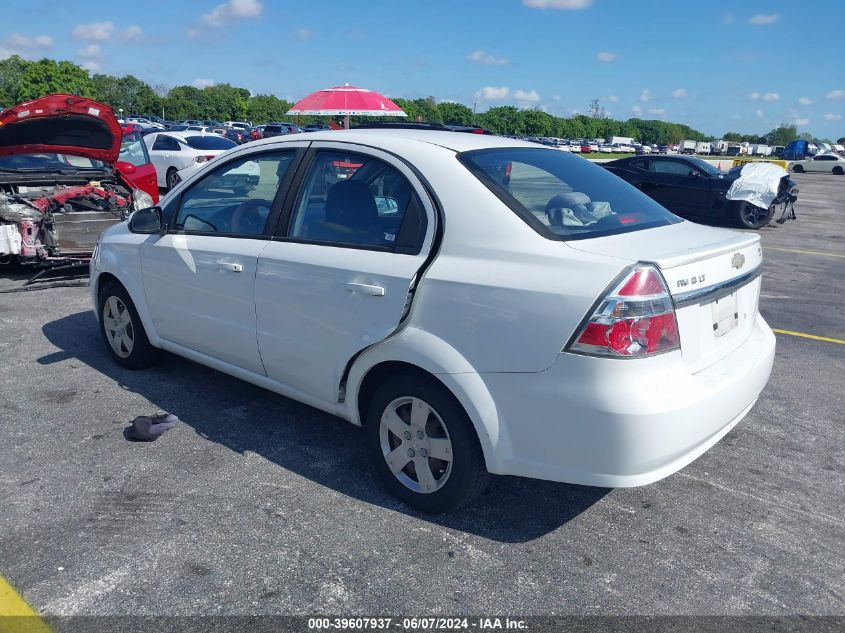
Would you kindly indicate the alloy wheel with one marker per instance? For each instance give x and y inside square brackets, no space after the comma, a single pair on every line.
[117,323]
[416,445]
[173,179]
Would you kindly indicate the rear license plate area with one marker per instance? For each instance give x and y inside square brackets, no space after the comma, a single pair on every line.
[725,315]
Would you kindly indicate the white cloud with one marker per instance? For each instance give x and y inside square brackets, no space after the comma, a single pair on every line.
[530,96]
[613,99]
[657,111]
[802,121]
[728,18]
[736,117]
[759,114]
[832,117]
[91,51]
[193,34]
[805,101]
[203,83]
[680,93]
[303,34]
[558,4]
[754,96]
[493,93]
[556,98]
[97,31]
[133,34]
[17,44]
[766,96]
[91,66]
[604,56]
[637,110]
[645,95]
[233,9]
[484,57]
[764,19]
[835,94]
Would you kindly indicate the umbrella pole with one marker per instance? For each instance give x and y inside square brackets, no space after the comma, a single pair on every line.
[346,122]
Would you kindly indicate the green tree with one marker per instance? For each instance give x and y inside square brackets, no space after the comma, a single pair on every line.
[782,135]
[455,113]
[11,71]
[46,76]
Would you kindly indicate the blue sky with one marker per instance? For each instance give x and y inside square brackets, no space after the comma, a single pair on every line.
[716,65]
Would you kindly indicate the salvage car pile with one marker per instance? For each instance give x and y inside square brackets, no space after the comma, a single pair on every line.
[61,183]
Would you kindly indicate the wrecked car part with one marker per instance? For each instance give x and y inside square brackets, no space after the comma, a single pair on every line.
[758,183]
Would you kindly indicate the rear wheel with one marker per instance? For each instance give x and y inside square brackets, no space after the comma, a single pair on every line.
[798,169]
[173,178]
[122,329]
[838,170]
[754,217]
[423,445]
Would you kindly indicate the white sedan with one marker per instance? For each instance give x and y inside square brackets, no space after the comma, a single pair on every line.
[179,155]
[828,163]
[479,304]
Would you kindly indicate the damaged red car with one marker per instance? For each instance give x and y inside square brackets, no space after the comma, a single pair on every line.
[67,172]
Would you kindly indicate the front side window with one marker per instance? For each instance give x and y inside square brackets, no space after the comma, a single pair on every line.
[563,196]
[133,150]
[235,198]
[354,199]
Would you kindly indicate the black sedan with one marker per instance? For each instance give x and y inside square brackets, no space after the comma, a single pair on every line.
[695,189]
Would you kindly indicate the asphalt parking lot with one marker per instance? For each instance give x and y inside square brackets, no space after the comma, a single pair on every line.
[255,504]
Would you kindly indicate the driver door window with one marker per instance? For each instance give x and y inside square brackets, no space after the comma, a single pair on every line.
[234,199]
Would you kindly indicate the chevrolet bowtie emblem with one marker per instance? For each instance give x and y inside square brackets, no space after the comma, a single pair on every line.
[738,260]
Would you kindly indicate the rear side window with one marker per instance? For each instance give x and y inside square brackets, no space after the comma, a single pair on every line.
[212,141]
[354,199]
[562,196]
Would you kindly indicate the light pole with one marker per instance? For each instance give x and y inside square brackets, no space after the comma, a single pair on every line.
[120,110]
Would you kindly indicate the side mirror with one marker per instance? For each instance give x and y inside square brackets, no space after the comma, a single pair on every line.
[147,221]
[124,167]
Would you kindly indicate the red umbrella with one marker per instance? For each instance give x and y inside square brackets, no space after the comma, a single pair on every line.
[346,101]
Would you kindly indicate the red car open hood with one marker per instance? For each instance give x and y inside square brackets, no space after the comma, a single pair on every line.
[61,124]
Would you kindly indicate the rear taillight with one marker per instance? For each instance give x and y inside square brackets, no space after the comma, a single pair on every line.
[635,319]
[203,159]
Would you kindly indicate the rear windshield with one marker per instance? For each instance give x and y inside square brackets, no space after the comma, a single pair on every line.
[562,196]
[212,141]
[273,128]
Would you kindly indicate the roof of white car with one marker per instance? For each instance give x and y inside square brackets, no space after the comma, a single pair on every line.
[455,141]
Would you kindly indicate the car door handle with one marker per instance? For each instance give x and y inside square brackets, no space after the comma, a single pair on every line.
[366,289]
[231,267]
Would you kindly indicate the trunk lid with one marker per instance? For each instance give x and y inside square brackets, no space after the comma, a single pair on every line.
[713,276]
[61,124]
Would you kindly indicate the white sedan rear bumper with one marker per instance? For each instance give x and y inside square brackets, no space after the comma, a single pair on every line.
[621,423]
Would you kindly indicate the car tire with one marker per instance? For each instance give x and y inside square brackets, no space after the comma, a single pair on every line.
[750,216]
[838,170]
[797,169]
[173,178]
[431,424]
[122,330]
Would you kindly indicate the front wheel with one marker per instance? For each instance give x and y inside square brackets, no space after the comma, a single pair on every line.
[122,329]
[424,446]
[754,217]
